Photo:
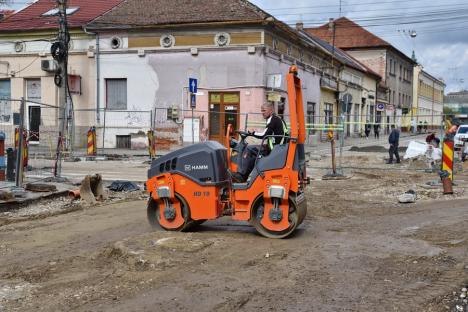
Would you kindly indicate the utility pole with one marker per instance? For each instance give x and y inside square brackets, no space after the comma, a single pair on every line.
[59,51]
[20,152]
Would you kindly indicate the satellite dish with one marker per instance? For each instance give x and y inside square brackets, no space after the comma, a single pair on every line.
[413,34]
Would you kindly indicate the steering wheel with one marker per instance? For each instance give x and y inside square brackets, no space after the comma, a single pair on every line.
[244,134]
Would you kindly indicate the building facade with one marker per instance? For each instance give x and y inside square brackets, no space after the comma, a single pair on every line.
[28,70]
[429,103]
[355,91]
[240,62]
[395,68]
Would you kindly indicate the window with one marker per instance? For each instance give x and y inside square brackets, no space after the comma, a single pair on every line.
[328,113]
[400,72]
[311,116]
[116,94]
[346,76]
[356,79]
[5,104]
[390,67]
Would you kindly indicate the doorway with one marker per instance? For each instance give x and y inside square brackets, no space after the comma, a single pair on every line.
[33,93]
[34,113]
[224,110]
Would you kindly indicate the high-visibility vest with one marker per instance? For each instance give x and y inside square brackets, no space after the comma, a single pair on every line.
[271,140]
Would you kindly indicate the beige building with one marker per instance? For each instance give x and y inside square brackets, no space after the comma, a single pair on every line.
[428,106]
[357,84]
[27,70]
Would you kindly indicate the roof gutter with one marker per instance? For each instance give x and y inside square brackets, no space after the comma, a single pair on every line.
[165,26]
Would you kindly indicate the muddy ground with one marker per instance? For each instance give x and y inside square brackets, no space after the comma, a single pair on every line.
[358,250]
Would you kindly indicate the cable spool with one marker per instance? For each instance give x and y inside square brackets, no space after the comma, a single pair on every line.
[58,51]
[58,80]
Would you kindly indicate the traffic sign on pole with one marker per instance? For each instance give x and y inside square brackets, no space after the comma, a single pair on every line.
[193,85]
[193,100]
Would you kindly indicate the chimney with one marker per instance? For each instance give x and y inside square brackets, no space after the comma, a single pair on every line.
[300,26]
[331,24]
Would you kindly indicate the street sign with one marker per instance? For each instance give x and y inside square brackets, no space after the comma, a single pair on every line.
[347,98]
[193,101]
[193,85]
[380,107]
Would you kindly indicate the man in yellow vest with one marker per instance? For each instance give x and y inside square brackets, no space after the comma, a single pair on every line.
[275,128]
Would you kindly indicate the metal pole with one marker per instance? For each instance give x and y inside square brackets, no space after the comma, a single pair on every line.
[341,141]
[193,134]
[98,86]
[72,130]
[246,121]
[333,155]
[104,129]
[63,103]
[19,155]
[151,119]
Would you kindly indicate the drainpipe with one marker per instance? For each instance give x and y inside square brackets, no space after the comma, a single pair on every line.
[98,78]
[98,74]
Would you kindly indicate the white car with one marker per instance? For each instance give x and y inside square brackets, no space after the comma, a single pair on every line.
[462,133]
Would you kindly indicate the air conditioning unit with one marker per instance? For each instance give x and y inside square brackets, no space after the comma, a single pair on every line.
[50,66]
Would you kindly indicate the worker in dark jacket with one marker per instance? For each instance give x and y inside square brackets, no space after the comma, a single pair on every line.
[275,126]
[394,141]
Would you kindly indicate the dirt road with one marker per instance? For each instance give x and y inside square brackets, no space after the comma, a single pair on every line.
[358,250]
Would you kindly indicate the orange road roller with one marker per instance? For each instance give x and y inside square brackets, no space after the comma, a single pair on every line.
[210,180]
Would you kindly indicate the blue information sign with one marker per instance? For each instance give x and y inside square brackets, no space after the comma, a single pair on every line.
[193,85]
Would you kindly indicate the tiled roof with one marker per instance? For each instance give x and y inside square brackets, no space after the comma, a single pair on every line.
[134,13]
[342,56]
[30,18]
[348,35]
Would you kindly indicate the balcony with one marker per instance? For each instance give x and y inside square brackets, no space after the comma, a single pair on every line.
[329,83]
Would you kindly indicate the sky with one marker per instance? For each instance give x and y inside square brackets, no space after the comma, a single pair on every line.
[441,27]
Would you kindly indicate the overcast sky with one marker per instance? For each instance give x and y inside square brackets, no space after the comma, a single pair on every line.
[441,27]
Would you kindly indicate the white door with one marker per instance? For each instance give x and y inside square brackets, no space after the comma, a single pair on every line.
[33,111]
[188,130]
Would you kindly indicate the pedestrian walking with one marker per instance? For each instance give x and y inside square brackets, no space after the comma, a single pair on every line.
[376,131]
[367,129]
[425,126]
[413,126]
[394,141]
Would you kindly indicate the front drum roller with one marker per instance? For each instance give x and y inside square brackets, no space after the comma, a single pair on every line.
[296,215]
[170,215]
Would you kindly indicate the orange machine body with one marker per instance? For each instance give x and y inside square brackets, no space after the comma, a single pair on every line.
[272,200]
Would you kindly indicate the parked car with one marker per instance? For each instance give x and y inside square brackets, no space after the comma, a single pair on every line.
[462,133]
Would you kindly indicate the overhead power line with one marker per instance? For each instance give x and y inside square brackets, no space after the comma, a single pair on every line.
[344,5]
[461,6]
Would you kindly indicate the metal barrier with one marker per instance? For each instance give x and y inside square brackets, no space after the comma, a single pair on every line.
[164,127]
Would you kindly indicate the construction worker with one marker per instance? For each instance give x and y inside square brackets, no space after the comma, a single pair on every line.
[394,141]
[275,126]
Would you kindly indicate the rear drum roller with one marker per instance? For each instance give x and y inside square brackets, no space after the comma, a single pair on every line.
[178,219]
[293,218]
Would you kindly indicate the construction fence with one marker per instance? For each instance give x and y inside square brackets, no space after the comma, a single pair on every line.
[92,132]
[33,155]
